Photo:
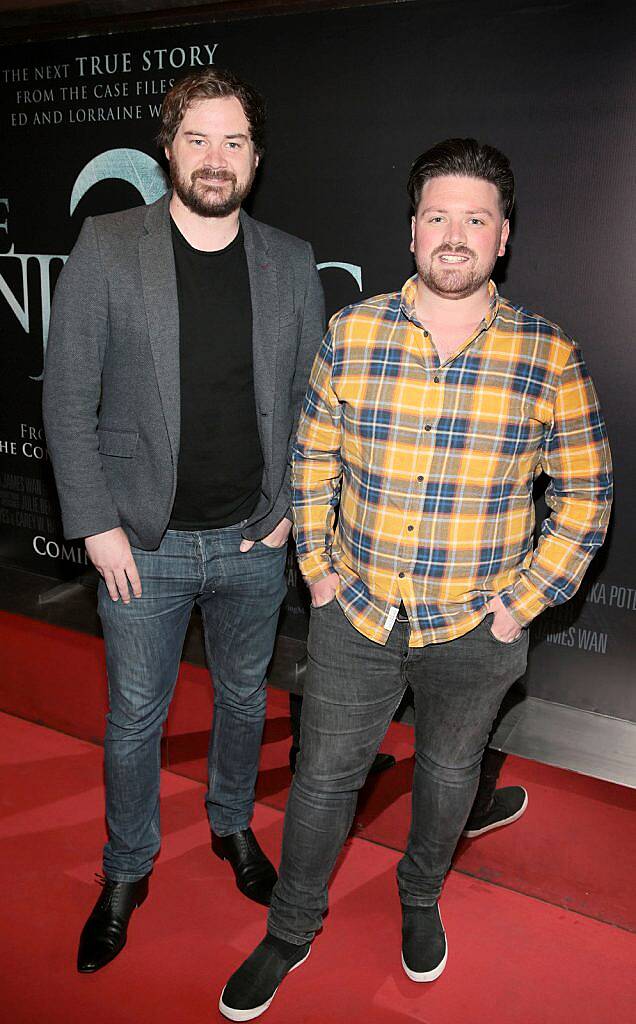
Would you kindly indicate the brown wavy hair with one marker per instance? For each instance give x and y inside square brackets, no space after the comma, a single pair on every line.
[211,84]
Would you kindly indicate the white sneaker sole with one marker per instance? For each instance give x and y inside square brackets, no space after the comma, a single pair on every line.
[254,1011]
[423,976]
[472,833]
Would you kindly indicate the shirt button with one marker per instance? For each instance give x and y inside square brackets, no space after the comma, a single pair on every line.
[401,575]
[420,479]
[409,528]
[435,380]
[427,427]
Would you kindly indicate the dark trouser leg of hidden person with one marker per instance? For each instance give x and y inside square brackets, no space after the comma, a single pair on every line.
[495,807]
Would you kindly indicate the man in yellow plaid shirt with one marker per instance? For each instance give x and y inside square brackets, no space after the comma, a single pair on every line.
[428,416]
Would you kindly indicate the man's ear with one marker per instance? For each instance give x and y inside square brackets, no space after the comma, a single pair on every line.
[505,232]
[412,245]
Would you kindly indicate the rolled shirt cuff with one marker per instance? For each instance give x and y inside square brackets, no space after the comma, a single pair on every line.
[523,601]
[315,567]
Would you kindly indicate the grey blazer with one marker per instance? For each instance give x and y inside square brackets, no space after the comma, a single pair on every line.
[112,387]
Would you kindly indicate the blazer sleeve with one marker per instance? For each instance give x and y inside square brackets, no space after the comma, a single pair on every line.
[312,320]
[77,342]
[312,330]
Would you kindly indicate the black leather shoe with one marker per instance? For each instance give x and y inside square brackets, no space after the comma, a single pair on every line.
[255,874]
[104,934]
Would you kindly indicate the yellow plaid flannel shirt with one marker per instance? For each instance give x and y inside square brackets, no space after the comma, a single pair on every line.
[413,479]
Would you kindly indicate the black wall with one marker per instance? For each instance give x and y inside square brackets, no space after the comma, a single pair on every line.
[353,97]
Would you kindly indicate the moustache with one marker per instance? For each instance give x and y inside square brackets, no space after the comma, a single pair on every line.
[206,175]
[458,250]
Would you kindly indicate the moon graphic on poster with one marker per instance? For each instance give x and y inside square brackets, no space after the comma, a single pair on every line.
[131,165]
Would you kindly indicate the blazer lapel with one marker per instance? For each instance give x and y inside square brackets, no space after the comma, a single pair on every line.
[265,327]
[159,282]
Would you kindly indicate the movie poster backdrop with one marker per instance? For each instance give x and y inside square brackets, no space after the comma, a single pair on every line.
[353,96]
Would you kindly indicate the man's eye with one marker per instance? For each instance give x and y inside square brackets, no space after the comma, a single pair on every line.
[436,220]
[197,142]
[476,220]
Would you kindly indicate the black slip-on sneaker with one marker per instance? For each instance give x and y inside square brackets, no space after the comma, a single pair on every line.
[424,948]
[252,987]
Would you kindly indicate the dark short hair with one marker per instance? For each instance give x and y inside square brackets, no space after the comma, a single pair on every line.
[466,158]
[211,84]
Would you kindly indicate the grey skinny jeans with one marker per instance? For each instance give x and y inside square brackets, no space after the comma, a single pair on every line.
[352,690]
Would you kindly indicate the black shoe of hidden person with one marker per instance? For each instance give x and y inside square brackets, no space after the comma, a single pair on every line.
[381,762]
[255,874]
[104,934]
[508,804]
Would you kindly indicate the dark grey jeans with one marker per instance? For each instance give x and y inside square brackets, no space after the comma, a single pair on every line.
[352,690]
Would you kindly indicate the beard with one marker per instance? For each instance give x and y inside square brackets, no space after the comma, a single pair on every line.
[454,281]
[203,193]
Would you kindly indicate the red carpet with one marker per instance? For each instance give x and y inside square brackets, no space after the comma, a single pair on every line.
[512,959]
[572,847]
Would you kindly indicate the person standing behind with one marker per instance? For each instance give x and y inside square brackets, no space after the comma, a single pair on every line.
[429,413]
[182,335]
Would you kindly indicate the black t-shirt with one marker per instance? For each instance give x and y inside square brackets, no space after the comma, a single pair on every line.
[220,460]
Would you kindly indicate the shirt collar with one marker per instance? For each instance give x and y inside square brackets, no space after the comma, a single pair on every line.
[407,302]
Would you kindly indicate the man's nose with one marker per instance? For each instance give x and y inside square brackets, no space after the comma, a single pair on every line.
[455,232]
[215,156]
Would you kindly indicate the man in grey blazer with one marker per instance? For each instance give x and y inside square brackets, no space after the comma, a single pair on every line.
[182,336]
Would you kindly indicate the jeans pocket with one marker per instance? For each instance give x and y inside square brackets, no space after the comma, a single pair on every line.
[506,643]
[328,604]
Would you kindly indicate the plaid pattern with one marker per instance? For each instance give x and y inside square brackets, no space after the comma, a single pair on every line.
[431,467]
